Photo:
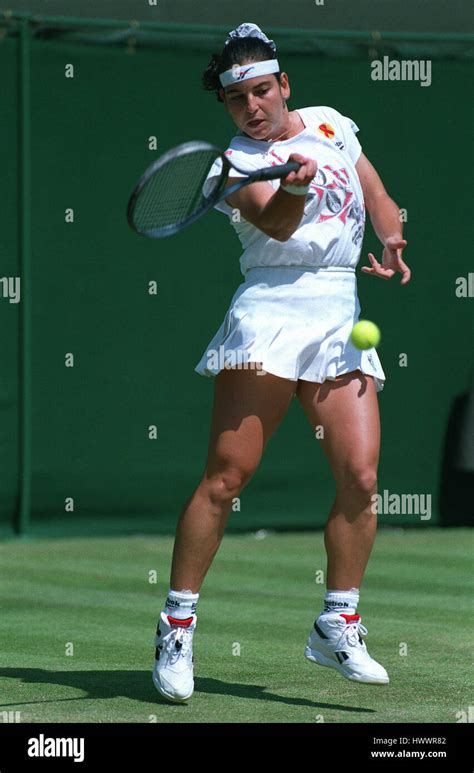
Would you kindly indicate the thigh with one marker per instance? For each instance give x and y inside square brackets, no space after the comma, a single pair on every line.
[347,410]
[248,406]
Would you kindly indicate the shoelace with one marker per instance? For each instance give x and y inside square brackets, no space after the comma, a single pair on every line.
[351,635]
[180,634]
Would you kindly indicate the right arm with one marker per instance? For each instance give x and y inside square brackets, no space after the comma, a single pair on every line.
[276,213]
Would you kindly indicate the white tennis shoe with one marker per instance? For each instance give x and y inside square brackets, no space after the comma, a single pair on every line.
[336,641]
[173,672]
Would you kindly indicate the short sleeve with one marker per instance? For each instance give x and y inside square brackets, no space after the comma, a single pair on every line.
[350,128]
[243,160]
[209,182]
[215,171]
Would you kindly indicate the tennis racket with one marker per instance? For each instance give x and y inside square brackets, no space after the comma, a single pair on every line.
[170,193]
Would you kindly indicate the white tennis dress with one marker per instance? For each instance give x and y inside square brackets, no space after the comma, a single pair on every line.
[298,303]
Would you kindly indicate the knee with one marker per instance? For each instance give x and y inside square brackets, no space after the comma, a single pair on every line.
[226,484]
[360,479]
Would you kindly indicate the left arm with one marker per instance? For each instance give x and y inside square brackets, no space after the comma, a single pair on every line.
[385,218]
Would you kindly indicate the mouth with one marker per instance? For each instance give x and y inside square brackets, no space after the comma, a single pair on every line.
[255,123]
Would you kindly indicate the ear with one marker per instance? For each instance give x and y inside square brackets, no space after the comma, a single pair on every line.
[284,85]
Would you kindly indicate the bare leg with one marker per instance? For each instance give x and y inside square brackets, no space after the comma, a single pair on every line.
[347,408]
[247,409]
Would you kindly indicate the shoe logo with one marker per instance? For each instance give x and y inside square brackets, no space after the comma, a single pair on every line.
[330,605]
[172,603]
[319,631]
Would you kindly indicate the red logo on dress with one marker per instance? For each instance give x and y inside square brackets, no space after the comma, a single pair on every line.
[327,130]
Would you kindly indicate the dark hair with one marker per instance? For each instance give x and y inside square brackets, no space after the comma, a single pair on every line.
[237,51]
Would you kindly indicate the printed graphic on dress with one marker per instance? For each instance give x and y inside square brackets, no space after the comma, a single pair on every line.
[332,191]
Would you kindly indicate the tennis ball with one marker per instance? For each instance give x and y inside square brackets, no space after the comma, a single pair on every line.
[365,334]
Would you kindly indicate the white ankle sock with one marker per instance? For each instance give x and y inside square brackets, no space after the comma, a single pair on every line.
[341,601]
[181,604]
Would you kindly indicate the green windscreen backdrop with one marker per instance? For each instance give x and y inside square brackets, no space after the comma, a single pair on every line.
[134,352]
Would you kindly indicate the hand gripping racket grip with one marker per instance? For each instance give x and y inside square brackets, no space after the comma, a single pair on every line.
[279,170]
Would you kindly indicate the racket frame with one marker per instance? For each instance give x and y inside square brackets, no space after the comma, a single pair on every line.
[221,191]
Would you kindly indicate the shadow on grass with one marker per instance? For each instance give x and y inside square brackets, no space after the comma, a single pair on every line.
[138,686]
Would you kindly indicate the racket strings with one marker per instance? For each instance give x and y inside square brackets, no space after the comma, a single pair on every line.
[174,192]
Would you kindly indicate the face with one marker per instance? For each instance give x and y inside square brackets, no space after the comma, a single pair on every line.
[258,105]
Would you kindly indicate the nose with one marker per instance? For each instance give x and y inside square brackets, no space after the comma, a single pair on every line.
[251,103]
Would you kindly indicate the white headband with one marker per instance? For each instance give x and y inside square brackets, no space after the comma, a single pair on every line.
[239,72]
[242,72]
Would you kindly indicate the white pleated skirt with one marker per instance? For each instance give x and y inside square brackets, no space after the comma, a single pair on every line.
[296,322]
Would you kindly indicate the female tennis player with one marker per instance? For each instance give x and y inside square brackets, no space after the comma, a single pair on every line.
[286,334]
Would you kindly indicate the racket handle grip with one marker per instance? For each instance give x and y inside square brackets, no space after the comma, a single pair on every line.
[279,170]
